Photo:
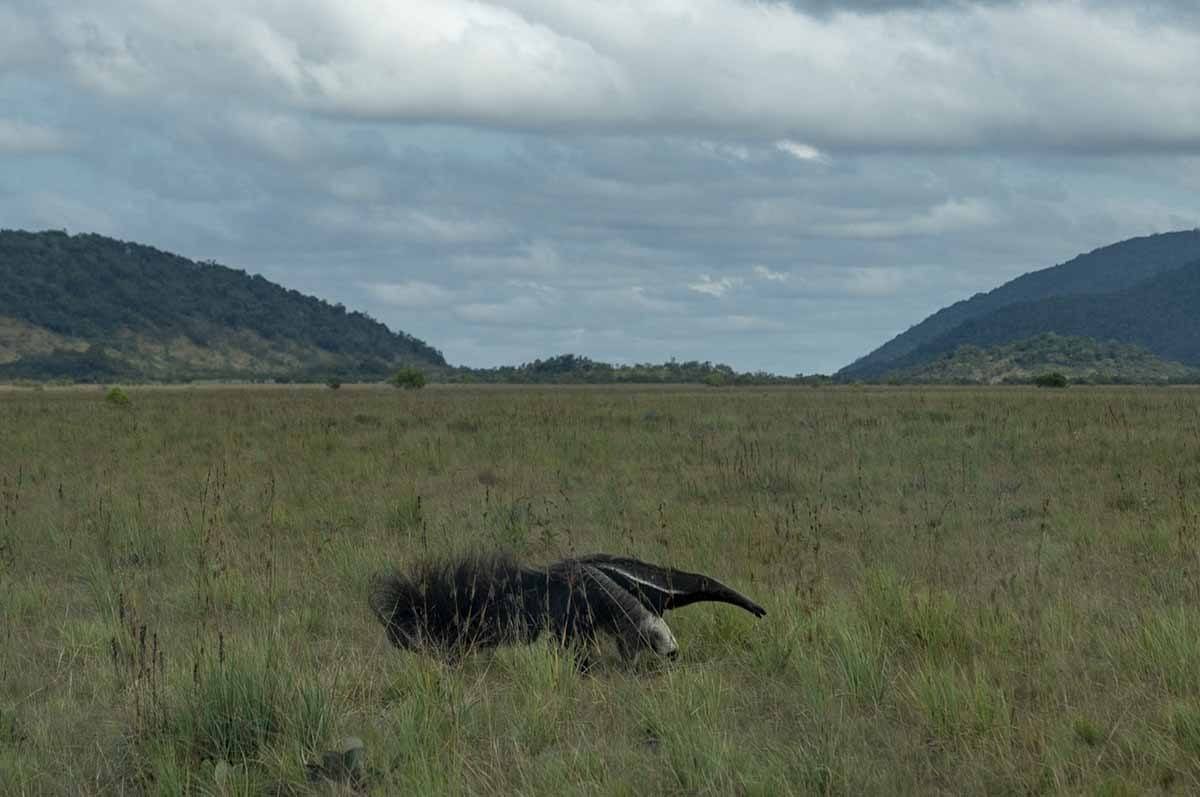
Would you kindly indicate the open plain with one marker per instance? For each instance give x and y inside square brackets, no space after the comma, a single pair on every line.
[968,590]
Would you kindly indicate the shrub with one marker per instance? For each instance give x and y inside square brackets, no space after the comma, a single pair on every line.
[242,711]
[716,379]
[1052,379]
[408,378]
[117,397]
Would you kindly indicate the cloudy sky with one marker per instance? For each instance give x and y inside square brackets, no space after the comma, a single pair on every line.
[776,185]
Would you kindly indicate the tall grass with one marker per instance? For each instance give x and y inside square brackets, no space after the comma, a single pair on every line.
[968,591]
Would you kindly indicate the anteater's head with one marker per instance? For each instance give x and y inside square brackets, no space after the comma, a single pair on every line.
[654,632]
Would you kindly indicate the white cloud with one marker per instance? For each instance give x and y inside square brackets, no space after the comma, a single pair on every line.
[275,135]
[413,294]
[1014,75]
[799,151]
[539,290]
[55,211]
[540,258]
[714,287]
[22,137]
[638,296]
[918,82]
[945,217]
[98,50]
[356,185]
[517,311]
[745,323]
[20,37]
[762,272]
[725,151]
[521,304]
[874,281]
[387,222]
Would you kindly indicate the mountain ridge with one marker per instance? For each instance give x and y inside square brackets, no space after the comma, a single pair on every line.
[1106,269]
[1158,314]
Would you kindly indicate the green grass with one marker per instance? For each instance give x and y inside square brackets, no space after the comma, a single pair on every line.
[969,591]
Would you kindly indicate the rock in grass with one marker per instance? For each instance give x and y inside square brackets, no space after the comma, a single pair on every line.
[344,764]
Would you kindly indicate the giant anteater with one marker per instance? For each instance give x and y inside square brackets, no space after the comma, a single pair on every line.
[477,601]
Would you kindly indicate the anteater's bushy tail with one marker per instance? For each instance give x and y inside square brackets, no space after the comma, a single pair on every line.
[453,605]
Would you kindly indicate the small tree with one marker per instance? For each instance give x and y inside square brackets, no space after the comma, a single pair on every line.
[117,397]
[1052,379]
[408,378]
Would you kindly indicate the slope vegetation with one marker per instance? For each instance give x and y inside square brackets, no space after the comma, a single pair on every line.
[87,306]
[1077,358]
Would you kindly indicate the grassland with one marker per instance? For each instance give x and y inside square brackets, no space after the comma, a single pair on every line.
[969,590]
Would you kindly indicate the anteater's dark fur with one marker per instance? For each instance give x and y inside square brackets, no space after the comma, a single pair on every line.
[483,601]
[488,600]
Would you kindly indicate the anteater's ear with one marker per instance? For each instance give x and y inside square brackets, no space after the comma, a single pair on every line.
[621,614]
[664,588]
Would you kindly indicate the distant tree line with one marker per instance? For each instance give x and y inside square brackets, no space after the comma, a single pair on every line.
[576,369]
[91,366]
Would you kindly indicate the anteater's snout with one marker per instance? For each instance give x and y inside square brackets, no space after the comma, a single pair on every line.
[659,635]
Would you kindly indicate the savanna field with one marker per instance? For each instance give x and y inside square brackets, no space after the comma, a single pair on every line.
[969,591]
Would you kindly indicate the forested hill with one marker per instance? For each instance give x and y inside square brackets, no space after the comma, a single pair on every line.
[1161,314]
[88,306]
[1107,270]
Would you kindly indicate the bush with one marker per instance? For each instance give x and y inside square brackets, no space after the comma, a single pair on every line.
[244,712]
[716,379]
[408,378]
[1053,379]
[117,397]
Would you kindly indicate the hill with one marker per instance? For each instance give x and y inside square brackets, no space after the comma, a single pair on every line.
[1108,270]
[1159,315]
[1079,359]
[87,307]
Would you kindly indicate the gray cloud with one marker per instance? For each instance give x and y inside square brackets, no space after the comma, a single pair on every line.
[22,137]
[1174,10]
[773,186]
[949,75]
